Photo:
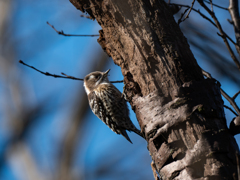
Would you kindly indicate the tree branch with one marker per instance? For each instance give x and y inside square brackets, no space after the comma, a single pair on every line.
[88,17]
[215,5]
[233,10]
[189,10]
[180,19]
[223,34]
[59,76]
[49,74]
[201,14]
[235,96]
[62,33]
[230,110]
[231,100]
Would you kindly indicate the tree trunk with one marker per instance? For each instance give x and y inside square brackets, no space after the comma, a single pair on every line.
[180,112]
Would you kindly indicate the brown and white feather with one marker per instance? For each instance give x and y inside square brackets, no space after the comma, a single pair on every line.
[107,104]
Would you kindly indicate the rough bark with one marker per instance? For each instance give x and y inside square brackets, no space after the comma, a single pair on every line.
[180,112]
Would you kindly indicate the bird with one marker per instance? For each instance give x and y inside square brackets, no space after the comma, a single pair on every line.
[108,104]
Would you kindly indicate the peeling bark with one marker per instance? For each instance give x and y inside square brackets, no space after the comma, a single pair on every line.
[180,112]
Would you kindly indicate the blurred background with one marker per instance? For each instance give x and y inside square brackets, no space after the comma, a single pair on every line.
[47,130]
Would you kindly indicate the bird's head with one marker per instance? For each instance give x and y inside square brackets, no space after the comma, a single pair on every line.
[92,80]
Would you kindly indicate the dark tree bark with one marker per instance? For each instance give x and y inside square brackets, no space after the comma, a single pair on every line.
[180,112]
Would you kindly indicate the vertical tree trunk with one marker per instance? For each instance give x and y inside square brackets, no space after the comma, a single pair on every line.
[180,112]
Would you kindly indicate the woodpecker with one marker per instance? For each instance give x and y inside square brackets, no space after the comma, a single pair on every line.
[107,103]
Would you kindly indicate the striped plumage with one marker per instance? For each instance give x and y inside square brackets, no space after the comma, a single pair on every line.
[107,103]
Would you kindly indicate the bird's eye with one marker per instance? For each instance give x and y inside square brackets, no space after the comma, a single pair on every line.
[97,76]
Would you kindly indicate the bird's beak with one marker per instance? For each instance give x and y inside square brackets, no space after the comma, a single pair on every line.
[106,73]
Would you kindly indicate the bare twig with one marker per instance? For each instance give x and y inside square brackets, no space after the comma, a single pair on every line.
[88,17]
[205,17]
[235,95]
[198,11]
[234,12]
[215,5]
[58,76]
[49,74]
[189,10]
[117,81]
[230,110]
[180,19]
[211,4]
[223,34]
[71,77]
[188,7]
[62,33]
[207,74]
[229,99]
[230,21]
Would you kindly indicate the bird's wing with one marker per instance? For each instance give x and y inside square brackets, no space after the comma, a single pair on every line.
[116,107]
[103,112]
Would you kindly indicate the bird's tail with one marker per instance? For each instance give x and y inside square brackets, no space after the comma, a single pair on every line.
[124,133]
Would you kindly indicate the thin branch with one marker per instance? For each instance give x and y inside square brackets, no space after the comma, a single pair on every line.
[49,74]
[189,10]
[205,17]
[235,95]
[223,34]
[232,102]
[62,33]
[71,77]
[234,12]
[198,11]
[230,110]
[215,5]
[201,14]
[211,4]
[59,76]
[116,81]
[230,21]
[180,19]
[88,17]
[228,98]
